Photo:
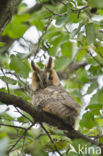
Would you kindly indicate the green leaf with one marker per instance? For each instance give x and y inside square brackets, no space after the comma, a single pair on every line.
[92,86]
[21,18]
[94,99]
[99,50]
[3,134]
[90,33]
[99,35]
[20,66]
[16,28]
[95,108]
[100,60]
[66,49]
[52,32]
[38,18]
[101,140]
[6,116]
[91,61]
[61,63]
[88,118]
[3,59]
[21,93]
[60,144]
[22,119]
[81,54]
[100,96]
[96,3]
[62,19]
[8,80]
[2,44]
[83,76]
[22,55]
[95,70]
[55,44]
[76,92]
[77,30]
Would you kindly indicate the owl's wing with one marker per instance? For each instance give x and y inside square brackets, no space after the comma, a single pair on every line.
[63,96]
[56,101]
[70,102]
[58,108]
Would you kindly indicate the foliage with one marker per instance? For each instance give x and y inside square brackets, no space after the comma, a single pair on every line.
[72,32]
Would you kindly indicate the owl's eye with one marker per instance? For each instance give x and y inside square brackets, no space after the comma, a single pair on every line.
[37,78]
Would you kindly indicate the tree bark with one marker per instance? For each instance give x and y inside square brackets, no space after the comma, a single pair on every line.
[72,67]
[7,9]
[41,116]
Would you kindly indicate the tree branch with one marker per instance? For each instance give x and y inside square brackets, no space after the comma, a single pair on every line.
[72,67]
[50,139]
[39,6]
[7,9]
[19,127]
[24,115]
[80,9]
[20,138]
[41,116]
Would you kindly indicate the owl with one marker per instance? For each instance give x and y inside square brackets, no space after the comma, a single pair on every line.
[50,96]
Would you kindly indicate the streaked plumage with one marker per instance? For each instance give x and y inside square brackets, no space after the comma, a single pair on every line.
[51,97]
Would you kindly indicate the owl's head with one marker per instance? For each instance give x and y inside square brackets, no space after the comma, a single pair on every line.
[41,78]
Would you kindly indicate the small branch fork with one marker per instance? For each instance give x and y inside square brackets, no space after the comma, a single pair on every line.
[24,115]
[23,135]
[43,117]
[79,9]
[5,82]
[12,126]
[50,139]
[95,59]
[34,52]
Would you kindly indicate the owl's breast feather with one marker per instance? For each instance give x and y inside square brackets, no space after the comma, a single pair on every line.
[56,101]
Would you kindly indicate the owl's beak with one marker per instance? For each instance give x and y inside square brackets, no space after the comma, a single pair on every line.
[43,84]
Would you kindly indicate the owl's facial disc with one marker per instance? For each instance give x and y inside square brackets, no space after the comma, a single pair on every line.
[41,79]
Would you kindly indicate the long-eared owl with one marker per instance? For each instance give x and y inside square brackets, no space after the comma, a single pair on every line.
[50,94]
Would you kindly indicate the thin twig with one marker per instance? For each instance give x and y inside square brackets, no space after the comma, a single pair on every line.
[12,126]
[96,137]
[62,3]
[5,82]
[20,138]
[50,139]
[95,59]
[36,50]
[37,46]
[79,9]
[17,76]
[41,117]
[44,32]
[23,144]
[54,13]
[99,51]
[26,87]
[24,115]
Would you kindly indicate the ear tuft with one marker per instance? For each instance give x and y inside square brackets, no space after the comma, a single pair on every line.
[50,64]
[34,67]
